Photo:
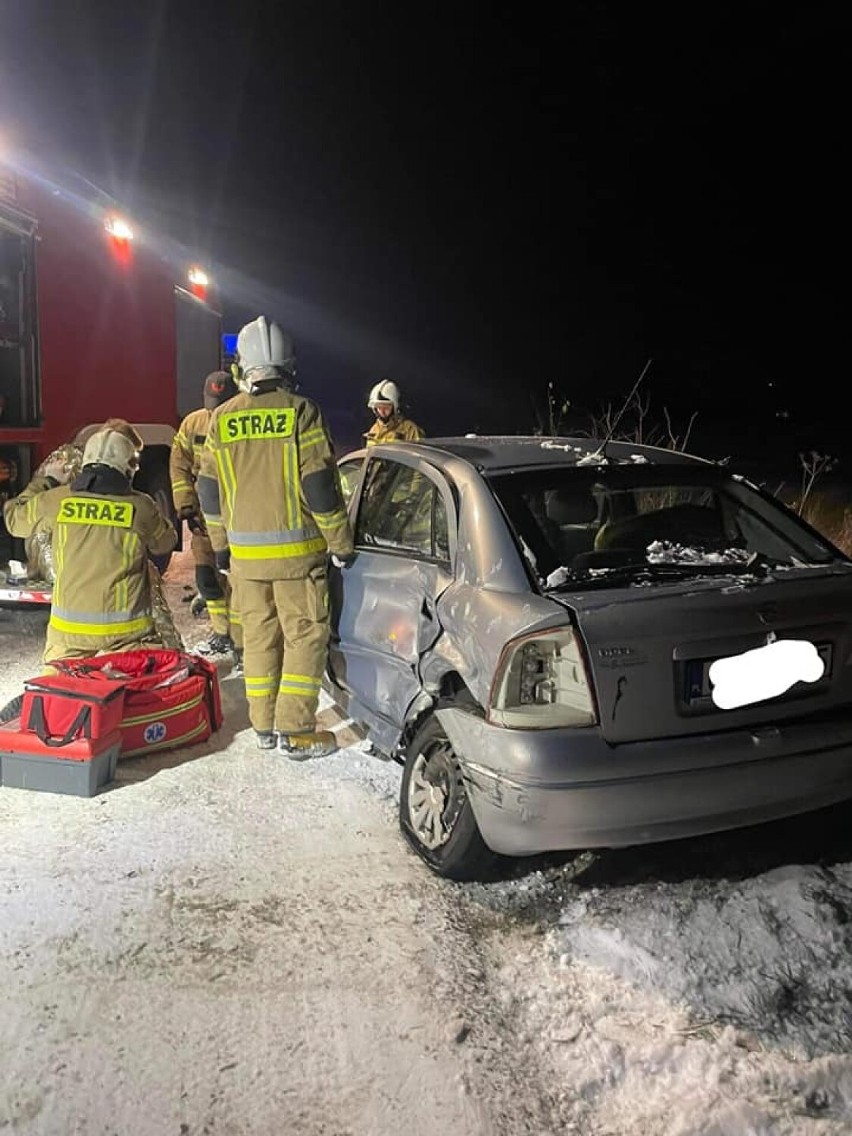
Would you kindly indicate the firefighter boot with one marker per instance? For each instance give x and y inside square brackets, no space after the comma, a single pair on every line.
[216,645]
[238,661]
[198,606]
[266,739]
[300,747]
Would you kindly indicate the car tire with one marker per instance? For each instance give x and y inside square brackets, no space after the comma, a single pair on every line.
[458,851]
[12,709]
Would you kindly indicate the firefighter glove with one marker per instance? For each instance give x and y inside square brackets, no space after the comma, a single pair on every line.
[187,512]
[343,561]
[223,561]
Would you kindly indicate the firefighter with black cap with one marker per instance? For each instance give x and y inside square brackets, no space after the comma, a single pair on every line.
[102,532]
[270,492]
[214,588]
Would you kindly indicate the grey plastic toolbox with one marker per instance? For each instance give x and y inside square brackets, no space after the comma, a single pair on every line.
[59,775]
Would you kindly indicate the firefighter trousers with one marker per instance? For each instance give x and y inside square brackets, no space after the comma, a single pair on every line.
[216,590]
[285,633]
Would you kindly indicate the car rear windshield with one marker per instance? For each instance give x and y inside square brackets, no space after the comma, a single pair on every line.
[567,517]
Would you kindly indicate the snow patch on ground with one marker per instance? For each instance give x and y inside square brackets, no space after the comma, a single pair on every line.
[229,941]
[682,1004]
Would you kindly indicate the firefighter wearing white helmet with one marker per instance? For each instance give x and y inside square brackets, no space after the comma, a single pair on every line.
[390,425]
[102,532]
[270,493]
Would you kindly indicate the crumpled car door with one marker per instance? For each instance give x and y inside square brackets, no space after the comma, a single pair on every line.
[384,606]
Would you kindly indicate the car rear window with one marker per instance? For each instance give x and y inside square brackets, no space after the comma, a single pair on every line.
[656,514]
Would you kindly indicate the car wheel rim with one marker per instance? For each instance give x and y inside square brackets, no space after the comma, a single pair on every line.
[435,795]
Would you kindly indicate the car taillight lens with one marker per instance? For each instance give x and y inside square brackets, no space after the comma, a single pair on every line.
[541,683]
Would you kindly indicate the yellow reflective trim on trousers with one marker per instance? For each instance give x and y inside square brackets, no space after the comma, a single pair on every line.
[265,684]
[309,680]
[277,551]
[298,691]
[130,627]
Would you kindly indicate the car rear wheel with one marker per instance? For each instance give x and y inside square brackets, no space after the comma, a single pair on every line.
[435,814]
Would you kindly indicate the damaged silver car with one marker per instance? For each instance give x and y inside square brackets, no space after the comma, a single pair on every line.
[539,629]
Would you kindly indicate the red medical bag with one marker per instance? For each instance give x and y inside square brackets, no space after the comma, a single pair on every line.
[171,698]
[62,708]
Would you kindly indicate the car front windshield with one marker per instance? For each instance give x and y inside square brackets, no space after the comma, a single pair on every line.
[579,523]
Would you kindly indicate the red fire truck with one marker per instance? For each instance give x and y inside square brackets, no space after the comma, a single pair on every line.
[99,318]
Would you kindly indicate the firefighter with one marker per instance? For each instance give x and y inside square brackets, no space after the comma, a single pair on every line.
[102,531]
[390,425]
[213,587]
[270,494]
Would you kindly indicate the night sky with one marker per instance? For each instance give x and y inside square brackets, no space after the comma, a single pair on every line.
[478,199]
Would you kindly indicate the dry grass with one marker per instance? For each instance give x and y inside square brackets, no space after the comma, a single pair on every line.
[832,518]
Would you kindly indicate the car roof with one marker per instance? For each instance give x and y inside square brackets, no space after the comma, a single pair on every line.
[490,453]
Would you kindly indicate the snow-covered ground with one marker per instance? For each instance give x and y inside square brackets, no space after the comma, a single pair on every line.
[226,942]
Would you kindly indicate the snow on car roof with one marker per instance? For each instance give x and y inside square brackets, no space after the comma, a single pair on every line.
[493,452]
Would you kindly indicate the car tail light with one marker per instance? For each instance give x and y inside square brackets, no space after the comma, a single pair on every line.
[541,683]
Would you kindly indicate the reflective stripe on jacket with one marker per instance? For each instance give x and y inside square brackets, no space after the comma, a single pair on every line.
[100,544]
[185,457]
[269,486]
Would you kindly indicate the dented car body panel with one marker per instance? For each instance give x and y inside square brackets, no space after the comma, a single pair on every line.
[469,548]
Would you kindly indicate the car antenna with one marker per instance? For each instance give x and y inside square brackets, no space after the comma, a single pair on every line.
[600,453]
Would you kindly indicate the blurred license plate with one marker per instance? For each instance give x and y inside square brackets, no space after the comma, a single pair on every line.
[699,688]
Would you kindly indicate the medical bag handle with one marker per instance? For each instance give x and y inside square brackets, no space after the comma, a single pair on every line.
[82,724]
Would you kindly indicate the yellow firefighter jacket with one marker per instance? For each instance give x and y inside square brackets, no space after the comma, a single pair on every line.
[185,458]
[100,544]
[393,429]
[269,487]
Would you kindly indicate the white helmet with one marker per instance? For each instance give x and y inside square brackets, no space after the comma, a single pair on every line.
[109,447]
[264,344]
[384,391]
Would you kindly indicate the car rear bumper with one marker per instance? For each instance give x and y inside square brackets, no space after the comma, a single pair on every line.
[546,790]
